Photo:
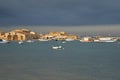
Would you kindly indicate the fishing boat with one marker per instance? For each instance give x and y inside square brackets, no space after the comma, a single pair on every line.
[86,39]
[20,42]
[29,41]
[69,39]
[57,47]
[63,42]
[107,39]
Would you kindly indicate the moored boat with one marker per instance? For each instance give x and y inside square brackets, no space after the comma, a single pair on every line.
[69,39]
[4,41]
[20,42]
[106,39]
[57,47]
[86,39]
[29,41]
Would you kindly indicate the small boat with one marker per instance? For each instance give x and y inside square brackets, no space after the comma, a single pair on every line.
[3,41]
[69,39]
[63,42]
[20,42]
[29,41]
[86,39]
[106,39]
[43,39]
[57,47]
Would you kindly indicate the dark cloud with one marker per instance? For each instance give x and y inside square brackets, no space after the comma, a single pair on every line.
[59,12]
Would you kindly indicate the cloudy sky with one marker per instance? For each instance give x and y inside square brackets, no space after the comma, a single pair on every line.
[59,12]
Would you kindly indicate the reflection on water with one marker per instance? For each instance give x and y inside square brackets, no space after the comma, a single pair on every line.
[78,61]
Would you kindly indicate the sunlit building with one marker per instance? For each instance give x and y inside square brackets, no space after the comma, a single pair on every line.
[20,34]
[59,36]
[2,33]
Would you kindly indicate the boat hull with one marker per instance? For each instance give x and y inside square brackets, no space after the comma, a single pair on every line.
[4,41]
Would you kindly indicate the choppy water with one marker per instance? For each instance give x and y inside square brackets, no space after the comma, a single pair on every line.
[78,61]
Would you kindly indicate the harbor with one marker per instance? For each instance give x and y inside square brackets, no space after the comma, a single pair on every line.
[59,39]
[27,35]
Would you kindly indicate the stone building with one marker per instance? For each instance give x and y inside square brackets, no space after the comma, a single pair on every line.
[20,34]
[2,33]
[58,36]
[71,36]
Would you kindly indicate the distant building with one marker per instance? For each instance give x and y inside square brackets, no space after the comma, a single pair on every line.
[2,33]
[87,39]
[20,34]
[58,36]
[25,34]
[75,37]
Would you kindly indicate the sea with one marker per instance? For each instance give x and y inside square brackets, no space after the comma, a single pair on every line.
[76,61]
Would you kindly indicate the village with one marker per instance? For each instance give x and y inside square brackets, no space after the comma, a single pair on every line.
[26,34]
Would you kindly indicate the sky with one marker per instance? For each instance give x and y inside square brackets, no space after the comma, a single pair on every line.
[59,12]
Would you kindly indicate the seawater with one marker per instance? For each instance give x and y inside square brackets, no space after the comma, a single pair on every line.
[77,61]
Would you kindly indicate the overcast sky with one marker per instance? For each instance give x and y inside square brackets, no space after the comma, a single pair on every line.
[59,12]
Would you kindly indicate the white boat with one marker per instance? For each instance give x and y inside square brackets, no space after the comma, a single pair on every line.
[96,40]
[29,41]
[3,41]
[86,39]
[43,39]
[20,42]
[69,39]
[63,42]
[57,47]
[107,39]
